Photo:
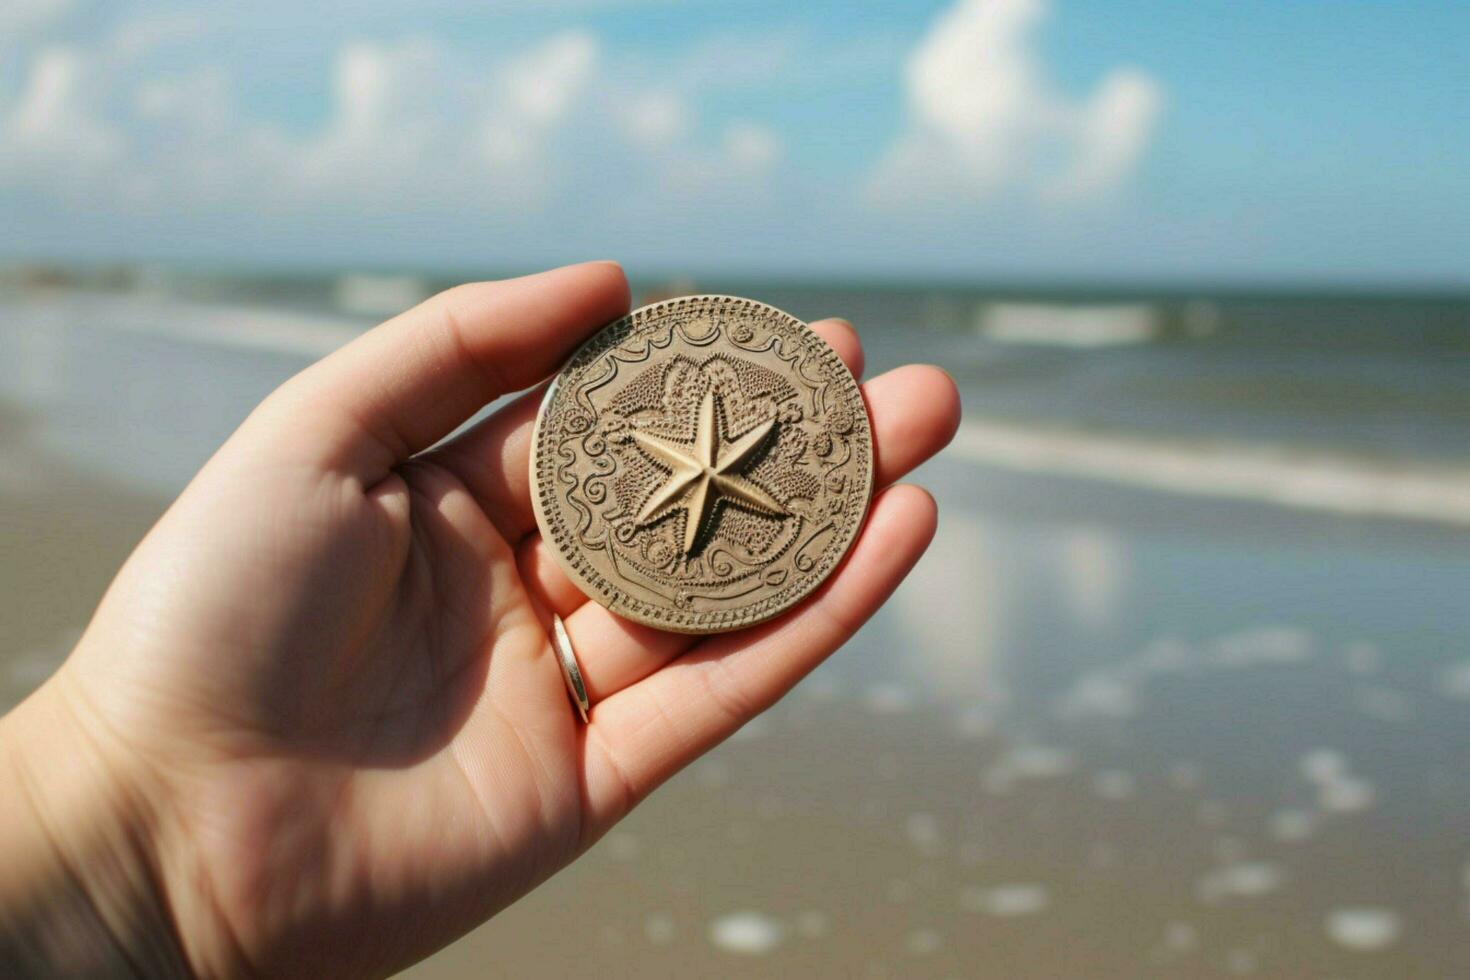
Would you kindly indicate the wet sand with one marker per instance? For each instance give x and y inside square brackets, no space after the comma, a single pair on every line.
[1248,780]
[1105,730]
[63,533]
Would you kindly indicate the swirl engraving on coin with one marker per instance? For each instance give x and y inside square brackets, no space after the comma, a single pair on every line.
[702,464]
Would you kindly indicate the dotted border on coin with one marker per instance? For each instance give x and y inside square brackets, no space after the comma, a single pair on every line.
[553,525]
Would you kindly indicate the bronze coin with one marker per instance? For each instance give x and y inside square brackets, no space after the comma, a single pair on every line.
[702,464]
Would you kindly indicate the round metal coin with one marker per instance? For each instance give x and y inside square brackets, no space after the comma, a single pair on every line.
[702,464]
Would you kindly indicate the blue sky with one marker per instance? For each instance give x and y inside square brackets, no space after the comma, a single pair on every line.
[1052,140]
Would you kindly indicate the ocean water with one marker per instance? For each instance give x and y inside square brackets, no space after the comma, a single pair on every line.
[1182,688]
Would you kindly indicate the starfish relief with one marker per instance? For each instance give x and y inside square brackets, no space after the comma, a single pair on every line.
[704,472]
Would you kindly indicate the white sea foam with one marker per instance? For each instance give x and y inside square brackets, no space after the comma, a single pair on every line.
[378,295]
[890,698]
[1453,681]
[1246,879]
[253,328]
[1339,790]
[1007,901]
[747,932]
[1364,929]
[1291,826]
[1099,694]
[1264,473]
[1262,646]
[1036,761]
[1028,761]
[1347,795]
[1323,765]
[1054,325]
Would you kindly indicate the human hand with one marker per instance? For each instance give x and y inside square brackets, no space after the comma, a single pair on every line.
[316,726]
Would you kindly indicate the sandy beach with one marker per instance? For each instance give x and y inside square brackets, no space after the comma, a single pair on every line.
[1131,717]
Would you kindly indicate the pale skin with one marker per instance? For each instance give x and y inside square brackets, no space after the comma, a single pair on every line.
[316,727]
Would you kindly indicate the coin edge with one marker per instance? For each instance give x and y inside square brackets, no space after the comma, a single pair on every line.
[593,594]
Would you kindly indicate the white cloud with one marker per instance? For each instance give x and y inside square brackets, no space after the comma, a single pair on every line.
[534,93]
[751,147]
[411,126]
[68,127]
[1113,131]
[655,119]
[983,115]
[381,126]
[138,38]
[22,17]
[200,101]
[738,171]
[187,144]
[539,86]
[410,123]
[54,126]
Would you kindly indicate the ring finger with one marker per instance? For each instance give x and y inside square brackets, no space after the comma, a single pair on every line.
[914,410]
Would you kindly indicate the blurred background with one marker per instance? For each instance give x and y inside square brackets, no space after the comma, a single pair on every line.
[1183,687]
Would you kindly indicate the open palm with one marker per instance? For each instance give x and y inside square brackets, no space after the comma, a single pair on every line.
[330,662]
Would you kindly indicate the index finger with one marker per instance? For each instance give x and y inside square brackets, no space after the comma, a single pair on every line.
[406,384]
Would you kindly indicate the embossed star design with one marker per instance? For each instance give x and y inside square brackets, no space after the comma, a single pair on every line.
[704,472]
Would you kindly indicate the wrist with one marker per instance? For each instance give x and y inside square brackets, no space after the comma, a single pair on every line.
[78,822]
